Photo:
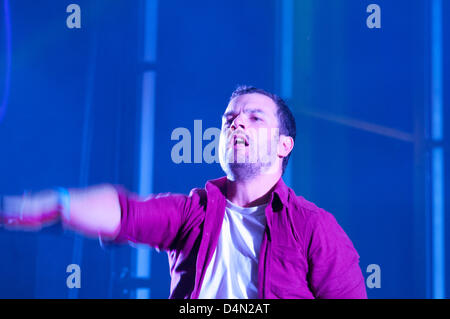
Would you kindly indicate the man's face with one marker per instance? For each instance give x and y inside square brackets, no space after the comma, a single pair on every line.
[249,137]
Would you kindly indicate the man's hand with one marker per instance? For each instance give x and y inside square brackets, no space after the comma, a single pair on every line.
[30,211]
[93,211]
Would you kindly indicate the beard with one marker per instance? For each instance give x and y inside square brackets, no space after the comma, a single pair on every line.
[240,165]
[242,171]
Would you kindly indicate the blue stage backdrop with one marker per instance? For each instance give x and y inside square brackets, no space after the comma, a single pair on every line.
[91,92]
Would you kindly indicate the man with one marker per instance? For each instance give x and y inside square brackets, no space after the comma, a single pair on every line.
[246,235]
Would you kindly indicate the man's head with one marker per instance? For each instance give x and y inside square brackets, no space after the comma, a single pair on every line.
[268,132]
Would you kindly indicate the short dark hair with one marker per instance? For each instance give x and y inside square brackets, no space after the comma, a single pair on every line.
[285,117]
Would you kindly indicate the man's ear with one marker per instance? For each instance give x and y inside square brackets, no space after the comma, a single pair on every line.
[285,146]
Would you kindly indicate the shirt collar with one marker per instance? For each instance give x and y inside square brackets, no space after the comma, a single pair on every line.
[280,191]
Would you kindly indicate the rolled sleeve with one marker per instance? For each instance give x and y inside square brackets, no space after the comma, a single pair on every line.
[155,220]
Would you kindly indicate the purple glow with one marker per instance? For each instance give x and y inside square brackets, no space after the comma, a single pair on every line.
[8,60]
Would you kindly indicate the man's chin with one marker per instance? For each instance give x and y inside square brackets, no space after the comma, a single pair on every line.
[241,171]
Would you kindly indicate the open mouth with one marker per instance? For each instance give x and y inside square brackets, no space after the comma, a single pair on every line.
[240,140]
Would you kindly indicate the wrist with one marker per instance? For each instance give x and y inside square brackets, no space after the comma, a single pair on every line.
[63,203]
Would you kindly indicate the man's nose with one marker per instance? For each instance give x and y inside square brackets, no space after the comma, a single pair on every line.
[238,123]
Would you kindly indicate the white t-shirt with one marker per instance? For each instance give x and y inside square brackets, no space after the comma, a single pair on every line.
[233,270]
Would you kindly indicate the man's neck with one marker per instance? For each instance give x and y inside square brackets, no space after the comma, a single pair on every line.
[252,192]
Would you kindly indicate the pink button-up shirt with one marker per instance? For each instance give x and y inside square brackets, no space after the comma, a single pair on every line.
[304,252]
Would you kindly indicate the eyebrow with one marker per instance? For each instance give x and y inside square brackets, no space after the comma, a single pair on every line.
[247,111]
